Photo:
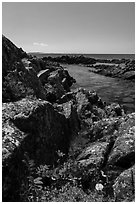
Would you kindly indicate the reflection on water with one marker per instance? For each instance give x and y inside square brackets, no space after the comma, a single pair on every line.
[109,89]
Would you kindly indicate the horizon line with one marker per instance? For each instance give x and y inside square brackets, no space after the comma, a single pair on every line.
[82,53]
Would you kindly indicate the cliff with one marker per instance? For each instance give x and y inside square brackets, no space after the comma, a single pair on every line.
[60,145]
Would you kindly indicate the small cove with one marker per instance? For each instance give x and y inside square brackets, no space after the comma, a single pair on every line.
[111,90]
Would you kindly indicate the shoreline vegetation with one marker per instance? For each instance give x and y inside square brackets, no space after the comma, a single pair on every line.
[60,145]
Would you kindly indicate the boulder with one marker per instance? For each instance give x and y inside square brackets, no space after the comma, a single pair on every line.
[124,186]
[35,117]
[104,130]
[43,75]
[123,152]
[90,107]
[129,75]
[70,112]
[65,84]
[94,155]
[34,128]
[55,82]
[83,103]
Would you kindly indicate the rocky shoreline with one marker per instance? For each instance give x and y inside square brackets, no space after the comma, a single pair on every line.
[60,145]
[120,68]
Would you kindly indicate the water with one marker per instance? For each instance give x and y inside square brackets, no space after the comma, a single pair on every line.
[109,89]
[111,56]
[97,56]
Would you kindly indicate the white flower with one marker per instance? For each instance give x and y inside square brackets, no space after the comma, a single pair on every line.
[99,187]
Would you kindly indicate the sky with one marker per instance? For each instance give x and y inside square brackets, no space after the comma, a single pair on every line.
[71,27]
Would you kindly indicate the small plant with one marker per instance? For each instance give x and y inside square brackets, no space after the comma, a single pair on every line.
[31,189]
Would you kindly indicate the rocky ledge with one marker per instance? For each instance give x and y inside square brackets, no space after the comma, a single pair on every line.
[124,70]
[60,145]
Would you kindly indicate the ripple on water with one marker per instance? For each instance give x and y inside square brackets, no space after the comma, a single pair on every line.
[128,100]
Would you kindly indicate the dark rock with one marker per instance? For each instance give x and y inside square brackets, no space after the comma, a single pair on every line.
[39,118]
[70,112]
[65,84]
[129,75]
[67,97]
[94,155]
[114,110]
[72,59]
[26,76]
[124,186]
[123,68]
[105,129]
[19,79]
[10,55]
[83,103]
[33,127]
[123,152]
[43,75]
[56,85]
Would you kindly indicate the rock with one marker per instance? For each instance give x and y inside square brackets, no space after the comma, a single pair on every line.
[67,97]
[72,59]
[114,110]
[70,112]
[10,55]
[63,77]
[19,79]
[83,103]
[55,82]
[89,101]
[124,186]
[126,122]
[65,84]
[123,152]
[31,127]
[94,155]
[96,140]
[90,107]
[43,75]
[26,76]
[121,68]
[104,130]
[39,118]
[129,75]
[93,98]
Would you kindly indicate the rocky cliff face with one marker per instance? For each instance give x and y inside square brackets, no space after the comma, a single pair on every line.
[25,76]
[60,145]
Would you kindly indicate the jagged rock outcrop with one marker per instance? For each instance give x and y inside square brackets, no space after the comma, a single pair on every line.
[122,69]
[26,76]
[10,55]
[19,79]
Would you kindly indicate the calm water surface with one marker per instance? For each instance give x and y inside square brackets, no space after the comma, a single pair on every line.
[109,89]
